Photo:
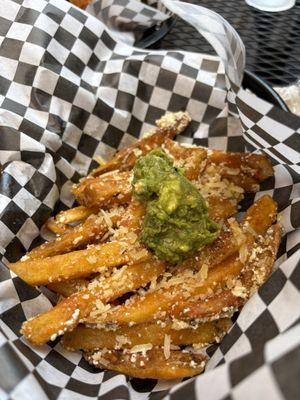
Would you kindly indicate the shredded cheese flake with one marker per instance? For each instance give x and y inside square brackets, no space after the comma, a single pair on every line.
[167,346]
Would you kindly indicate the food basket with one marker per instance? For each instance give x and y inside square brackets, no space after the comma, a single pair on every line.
[73,89]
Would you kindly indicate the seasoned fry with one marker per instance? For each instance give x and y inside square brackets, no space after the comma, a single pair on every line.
[68,288]
[75,214]
[257,166]
[261,260]
[220,209]
[257,219]
[191,159]
[66,314]
[79,236]
[159,303]
[260,215]
[168,126]
[194,301]
[243,169]
[56,227]
[57,320]
[151,364]
[79,264]
[254,274]
[87,338]
[100,192]
[59,224]
[221,305]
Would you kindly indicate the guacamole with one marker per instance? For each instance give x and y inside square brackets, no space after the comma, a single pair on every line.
[176,223]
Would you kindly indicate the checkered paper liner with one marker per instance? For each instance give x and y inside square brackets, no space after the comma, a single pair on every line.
[127,20]
[68,91]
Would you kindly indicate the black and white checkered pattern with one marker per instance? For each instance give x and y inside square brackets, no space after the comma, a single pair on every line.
[68,91]
[127,20]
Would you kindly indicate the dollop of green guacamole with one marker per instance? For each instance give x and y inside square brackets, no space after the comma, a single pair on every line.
[176,224]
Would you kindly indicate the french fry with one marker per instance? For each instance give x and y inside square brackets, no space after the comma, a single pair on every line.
[257,219]
[168,126]
[78,264]
[262,259]
[158,303]
[243,169]
[91,230]
[254,274]
[152,364]
[68,288]
[257,166]
[220,209]
[88,338]
[260,216]
[104,191]
[66,314]
[56,227]
[75,214]
[191,159]
[212,308]
[59,224]
[246,182]
[131,220]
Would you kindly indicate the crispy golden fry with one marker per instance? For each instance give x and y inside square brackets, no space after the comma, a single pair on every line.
[262,259]
[77,237]
[257,166]
[261,215]
[168,126]
[56,227]
[220,209]
[66,314]
[68,288]
[158,303]
[152,365]
[217,306]
[59,224]
[104,191]
[254,274]
[243,169]
[78,264]
[88,338]
[246,182]
[75,214]
[114,187]
[192,159]
[131,220]
[257,219]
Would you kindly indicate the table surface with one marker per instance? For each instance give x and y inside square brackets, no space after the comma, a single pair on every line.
[272,40]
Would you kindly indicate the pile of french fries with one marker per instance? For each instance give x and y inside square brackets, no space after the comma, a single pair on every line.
[129,311]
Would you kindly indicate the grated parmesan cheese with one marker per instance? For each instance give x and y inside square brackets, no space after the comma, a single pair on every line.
[141,348]
[167,346]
